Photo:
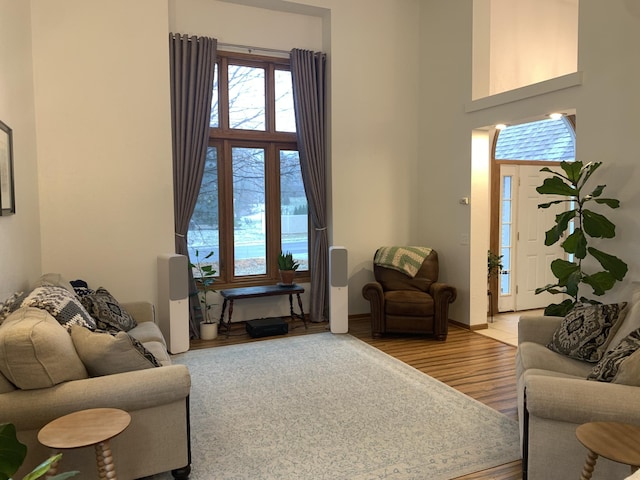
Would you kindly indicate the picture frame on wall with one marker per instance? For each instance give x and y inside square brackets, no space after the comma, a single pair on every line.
[7,193]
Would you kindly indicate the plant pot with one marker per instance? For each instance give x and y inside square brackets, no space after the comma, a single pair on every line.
[208,331]
[287,276]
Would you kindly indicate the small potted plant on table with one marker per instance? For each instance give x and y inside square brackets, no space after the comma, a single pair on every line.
[287,266]
[204,280]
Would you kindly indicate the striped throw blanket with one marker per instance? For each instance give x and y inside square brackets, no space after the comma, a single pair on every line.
[407,260]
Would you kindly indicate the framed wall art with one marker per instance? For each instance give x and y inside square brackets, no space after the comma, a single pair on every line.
[7,194]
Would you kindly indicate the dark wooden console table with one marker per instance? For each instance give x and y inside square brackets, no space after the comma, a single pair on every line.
[262,291]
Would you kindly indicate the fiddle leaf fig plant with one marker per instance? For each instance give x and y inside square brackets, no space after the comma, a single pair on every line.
[586,224]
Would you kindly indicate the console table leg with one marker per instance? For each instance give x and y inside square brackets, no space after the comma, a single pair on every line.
[229,317]
[304,320]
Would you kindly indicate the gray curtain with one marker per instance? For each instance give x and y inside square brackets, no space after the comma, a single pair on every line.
[308,75]
[192,64]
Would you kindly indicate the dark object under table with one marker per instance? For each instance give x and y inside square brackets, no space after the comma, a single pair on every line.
[232,294]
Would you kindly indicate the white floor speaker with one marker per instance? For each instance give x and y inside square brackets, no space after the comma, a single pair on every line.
[173,301]
[338,290]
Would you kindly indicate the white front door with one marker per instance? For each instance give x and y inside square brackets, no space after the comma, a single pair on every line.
[530,258]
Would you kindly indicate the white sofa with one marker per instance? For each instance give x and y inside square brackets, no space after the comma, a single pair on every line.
[46,372]
[555,397]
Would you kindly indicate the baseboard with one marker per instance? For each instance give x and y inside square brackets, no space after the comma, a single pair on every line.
[473,328]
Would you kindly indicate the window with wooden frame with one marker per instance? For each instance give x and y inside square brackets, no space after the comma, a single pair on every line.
[252,202]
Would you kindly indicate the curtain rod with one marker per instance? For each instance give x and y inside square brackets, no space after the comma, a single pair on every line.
[251,48]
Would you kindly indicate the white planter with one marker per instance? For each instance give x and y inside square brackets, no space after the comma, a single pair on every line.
[208,331]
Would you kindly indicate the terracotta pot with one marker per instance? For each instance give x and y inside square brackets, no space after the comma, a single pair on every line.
[287,276]
[208,331]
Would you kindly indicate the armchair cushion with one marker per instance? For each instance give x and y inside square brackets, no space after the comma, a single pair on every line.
[409,303]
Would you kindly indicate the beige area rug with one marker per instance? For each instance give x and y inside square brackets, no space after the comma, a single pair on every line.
[327,406]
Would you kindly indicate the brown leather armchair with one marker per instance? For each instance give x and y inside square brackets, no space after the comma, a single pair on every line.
[401,304]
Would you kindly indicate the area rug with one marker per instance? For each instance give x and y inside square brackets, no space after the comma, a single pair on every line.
[327,406]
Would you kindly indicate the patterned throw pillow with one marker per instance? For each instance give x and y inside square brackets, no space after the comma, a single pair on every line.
[585,330]
[81,288]
[11,304]
[61,304]
[107,312]
[625,356]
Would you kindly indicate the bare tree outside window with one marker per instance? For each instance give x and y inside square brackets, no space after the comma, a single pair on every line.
[253,138]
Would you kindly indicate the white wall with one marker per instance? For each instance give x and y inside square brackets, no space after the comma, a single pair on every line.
[104,141]
[606,105]
[19,233]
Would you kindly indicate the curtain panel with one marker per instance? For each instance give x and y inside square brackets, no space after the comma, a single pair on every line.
[308,72]
[192,67]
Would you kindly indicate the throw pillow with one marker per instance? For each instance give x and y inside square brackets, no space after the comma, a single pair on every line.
[583,333]
[631,321]
[61,304]
[36,351]
[53,280]
[11,304]
[108,313]
[81,288]
[104,353]
[621,364]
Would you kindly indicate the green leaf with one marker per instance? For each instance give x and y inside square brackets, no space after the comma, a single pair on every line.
[597,226]
[551,288]
[601,282]
[555,186]
[559,309]
[610,263]
[576,243]
[12,452]
[563,269]
[573,170]
[610,202]
[562,223]
[555,202]
[589,170]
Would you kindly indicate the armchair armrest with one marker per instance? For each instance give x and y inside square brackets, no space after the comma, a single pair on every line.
[538,329]
[372,291]
[579,401]
[141,311]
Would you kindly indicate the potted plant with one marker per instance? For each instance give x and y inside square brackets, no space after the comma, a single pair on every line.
[204,279]
[587,224]
[494,268]
[287,266]
[13,453]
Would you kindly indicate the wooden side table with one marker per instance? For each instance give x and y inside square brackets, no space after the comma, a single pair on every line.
[616,441]
[95,426]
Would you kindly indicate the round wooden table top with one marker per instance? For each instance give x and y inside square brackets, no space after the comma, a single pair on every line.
[84,428]
[616,441]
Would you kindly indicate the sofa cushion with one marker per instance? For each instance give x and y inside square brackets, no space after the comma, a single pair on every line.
[36,351]
[104,353]
[107,311]
[584,331]
[6,385]
[622,364]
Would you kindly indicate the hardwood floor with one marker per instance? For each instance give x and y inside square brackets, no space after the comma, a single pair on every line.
[475,365]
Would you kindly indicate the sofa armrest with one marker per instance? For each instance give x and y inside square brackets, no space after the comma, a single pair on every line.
[537,329]
[141,311]
[129,391]
[578,401]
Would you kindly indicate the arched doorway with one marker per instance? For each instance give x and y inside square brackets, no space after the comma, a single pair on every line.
[517,225]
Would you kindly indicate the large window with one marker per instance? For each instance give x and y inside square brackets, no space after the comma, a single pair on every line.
[252,202]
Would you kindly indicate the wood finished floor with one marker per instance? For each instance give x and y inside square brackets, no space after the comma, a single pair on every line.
[478,366]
